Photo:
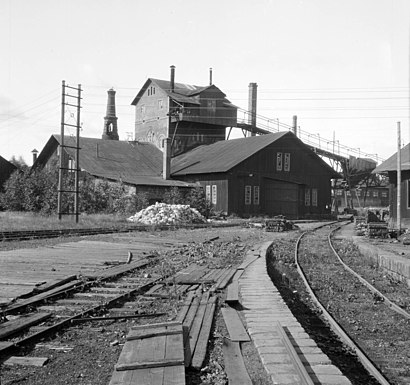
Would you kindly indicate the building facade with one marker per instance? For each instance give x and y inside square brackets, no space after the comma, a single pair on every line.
[189,115]
[273,174]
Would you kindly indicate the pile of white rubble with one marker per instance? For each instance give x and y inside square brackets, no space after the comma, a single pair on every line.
[166,214]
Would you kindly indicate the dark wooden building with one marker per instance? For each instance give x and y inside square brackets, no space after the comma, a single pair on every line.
[389,168]
[262,175]
[6,169]
[190,115]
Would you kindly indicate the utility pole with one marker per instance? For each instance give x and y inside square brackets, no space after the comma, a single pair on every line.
[398,180]
[63,157]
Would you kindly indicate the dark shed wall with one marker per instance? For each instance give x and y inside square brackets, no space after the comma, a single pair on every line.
[404,201]
[302,174]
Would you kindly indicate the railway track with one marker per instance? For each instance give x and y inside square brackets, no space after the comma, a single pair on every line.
[21,235]
[111,294]
[354,308]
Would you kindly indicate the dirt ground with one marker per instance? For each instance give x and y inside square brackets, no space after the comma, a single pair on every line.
[86,353]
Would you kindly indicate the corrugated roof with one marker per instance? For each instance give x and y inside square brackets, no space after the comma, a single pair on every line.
[224,155]
[136,163]
[391,163]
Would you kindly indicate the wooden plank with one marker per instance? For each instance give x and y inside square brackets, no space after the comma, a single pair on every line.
[234,366]
[189,318]
[247,261]
[196,328]
[9,328]
[201,346]
[149,364]
[153,326]
[232,295]
[158,351]
[233,323]
[221,284]
[28,361]
[136,334]
[185,307]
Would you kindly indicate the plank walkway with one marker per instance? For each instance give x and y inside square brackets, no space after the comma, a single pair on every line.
[24,271]
[264,308]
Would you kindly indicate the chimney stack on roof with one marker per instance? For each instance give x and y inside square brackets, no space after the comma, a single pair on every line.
[172,78]
[253,88]
[35,153]
[110,131]
[210,76]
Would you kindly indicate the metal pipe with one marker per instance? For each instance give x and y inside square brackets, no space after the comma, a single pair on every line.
[398,181]
[172,85]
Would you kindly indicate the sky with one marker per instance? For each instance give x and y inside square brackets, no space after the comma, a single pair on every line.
[340,66]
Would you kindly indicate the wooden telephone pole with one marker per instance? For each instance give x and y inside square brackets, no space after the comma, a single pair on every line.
[63,156]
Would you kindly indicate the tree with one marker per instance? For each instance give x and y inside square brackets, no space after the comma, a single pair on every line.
[19,162]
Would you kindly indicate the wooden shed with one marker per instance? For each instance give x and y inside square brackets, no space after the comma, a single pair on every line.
[274,174]
[135,164]
[389,168]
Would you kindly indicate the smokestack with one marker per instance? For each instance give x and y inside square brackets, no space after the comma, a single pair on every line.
[252,106]
[295,125]
[110,130]
[210,76]
[172,78]
[34,152]
[166,165]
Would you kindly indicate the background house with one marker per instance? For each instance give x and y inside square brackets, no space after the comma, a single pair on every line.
[389,168]
[270,174]
[189,115]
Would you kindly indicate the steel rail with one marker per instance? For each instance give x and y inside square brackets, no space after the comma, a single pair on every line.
[367,363]
[304,376]
[389,303]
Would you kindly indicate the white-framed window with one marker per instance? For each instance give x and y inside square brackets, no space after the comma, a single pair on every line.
[248,195]
[314,197]
[348,193]
[375,194]
[208,192]
[358,193]
[160,104]
[143,110]
[286,165]
[339,192]
[256,191]
[384,194]
[367,193]
[214,192]
[307,197]
[279,161]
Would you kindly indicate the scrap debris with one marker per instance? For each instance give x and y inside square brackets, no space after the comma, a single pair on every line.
[167,214]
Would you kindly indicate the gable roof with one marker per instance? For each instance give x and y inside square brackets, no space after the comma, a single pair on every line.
[136,163]
[222,156]
[391,163]
[183,93]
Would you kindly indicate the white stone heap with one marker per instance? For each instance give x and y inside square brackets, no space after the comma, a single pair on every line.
[166,214]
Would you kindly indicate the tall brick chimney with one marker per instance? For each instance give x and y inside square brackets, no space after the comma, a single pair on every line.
[210,76]
[172,85]
[110,121]
[252,98]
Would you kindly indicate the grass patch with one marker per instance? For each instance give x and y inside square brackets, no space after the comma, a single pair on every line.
[10,221]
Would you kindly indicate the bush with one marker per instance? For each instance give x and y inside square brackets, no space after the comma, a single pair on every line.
[196,198]
[173,196]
